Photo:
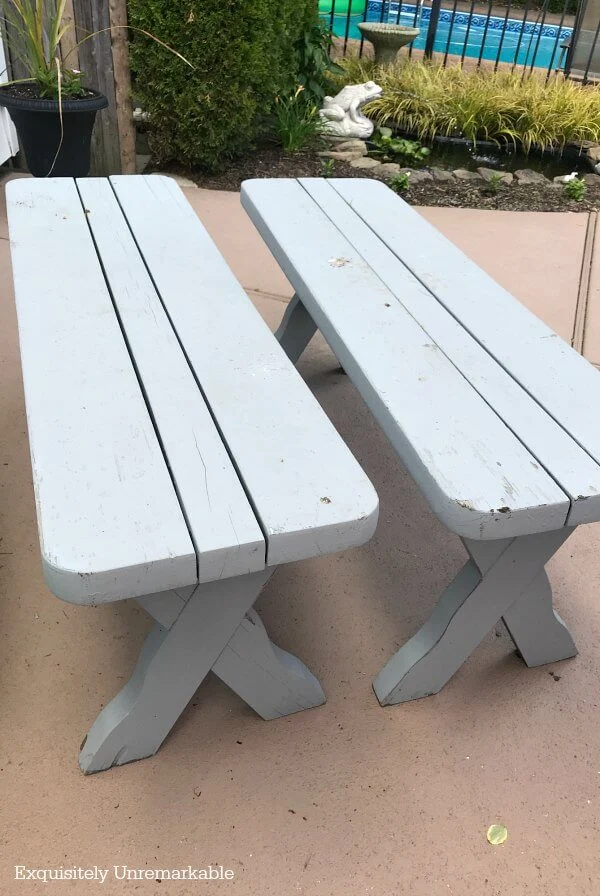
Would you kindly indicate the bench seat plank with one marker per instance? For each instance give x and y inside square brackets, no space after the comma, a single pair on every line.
[451,440]
[381,246]
[109,519]
[223,526]
[553,373]
[294,466]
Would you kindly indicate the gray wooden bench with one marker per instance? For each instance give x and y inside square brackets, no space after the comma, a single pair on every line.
[177,456]
[495,417]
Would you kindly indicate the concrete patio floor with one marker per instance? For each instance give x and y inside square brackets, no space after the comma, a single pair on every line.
[349,798]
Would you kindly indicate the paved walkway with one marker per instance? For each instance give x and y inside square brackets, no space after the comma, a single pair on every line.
[349,799]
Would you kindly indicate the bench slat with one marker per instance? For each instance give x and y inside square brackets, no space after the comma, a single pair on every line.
[576,472]
[225,532]
[109,519]
[560,379]
[452,442]
[307,490]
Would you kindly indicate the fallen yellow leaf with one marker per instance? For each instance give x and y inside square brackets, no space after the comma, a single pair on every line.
[497,834]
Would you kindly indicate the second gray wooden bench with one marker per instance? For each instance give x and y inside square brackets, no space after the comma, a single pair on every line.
[495,417]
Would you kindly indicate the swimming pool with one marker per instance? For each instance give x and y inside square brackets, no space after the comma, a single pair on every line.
[527,44]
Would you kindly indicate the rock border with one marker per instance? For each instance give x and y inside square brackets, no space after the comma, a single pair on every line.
[355,153]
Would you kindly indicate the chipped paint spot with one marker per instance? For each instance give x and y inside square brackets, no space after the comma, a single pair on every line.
[339,262]
[468,505]
[325,500]
[504,510]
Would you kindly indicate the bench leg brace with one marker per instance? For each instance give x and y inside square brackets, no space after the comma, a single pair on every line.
[217,629]
[296,329]
[503,580]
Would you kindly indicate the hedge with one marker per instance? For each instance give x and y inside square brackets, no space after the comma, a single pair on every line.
[244,53]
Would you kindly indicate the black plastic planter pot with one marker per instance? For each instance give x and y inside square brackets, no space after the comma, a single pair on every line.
[51,149]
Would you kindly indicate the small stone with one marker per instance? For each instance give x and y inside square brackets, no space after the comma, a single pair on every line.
[340,156]
[592,180]
[389,169]
[593,153]
[490,175]
[463,174]
[583,144]
[178,178]
[526,177]
[562,179]
[352,146]
[441,175]
[419,177]
[365,162]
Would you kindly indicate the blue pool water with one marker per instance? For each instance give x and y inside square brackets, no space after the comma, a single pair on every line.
[534,48]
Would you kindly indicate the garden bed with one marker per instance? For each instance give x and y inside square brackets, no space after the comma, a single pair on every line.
[273,162]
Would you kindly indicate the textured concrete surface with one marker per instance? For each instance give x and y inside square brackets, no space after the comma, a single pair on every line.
[535,256]
[343,800]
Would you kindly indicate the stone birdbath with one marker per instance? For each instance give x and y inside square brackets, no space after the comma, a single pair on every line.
[387,39]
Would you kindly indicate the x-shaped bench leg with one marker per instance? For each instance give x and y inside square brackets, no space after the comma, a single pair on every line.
[296,329]
[504,579]
[215,629]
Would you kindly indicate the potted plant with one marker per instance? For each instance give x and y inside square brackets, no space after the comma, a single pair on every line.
[52,110]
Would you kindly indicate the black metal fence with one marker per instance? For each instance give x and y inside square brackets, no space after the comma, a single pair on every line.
[534,35]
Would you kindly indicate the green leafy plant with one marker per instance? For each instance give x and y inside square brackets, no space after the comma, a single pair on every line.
[245,55]
[327,167]
[400,182]
[428,100]
[315,63]
[575,189]
[493,184]
[298,126]
[391,147]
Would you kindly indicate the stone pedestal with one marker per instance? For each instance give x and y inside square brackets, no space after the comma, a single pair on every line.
[387,39]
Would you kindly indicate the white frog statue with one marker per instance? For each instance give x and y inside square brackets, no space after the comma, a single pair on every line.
[342,114]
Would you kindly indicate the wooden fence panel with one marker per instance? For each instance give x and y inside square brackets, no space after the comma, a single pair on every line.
[95,59]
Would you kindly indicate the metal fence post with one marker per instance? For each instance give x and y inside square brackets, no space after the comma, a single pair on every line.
[433,24]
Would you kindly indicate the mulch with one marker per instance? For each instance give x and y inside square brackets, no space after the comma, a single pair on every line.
[273,162]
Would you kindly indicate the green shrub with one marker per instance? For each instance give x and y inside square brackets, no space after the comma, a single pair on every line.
[245,54]
[575,189]
[315,62]
[400,182]
[390,147]
[427,100]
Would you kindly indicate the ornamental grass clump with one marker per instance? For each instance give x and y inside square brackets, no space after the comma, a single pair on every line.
[428,100]
[297,123]
[37,28]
